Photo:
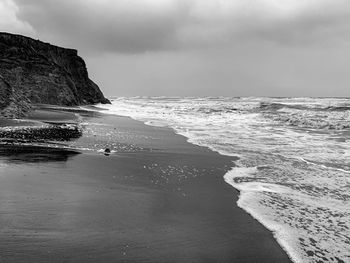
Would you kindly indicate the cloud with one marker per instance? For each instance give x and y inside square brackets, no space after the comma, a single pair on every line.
[286,22]
[134,26]
[125,26]
[9,21]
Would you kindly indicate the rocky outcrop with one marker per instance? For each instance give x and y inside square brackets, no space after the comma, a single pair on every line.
[62,132]
[32,71]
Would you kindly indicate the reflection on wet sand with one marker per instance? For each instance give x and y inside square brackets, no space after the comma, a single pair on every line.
[41,137]
[34,153]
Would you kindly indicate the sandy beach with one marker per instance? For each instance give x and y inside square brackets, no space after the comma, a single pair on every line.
[156,198]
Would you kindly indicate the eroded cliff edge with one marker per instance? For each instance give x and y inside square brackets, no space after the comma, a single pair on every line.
[32,71]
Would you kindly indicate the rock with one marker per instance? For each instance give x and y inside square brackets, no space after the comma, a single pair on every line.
[107,151]
[63,132]
[32,71]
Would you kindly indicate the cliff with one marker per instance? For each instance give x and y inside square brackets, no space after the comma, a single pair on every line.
[32,71]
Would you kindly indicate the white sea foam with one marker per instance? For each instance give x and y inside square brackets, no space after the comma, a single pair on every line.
[247,193]
[293,172]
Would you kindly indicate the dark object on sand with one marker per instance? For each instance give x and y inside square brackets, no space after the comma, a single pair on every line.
[107,151]
[32,71]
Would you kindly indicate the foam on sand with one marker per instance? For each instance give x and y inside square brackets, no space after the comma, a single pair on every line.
[296,220]
[247,192]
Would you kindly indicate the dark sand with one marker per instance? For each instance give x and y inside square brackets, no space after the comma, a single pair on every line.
[158,199]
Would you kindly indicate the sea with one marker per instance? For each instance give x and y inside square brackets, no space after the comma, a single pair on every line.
[293,171]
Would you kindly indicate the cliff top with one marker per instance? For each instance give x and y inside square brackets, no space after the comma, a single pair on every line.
[16,40]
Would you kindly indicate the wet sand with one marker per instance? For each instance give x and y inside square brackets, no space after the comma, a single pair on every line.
[159,200]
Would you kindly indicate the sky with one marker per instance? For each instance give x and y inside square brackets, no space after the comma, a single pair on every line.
[198,47]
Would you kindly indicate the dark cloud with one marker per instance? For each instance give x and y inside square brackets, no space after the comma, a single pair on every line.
[312,28]
[104,27]
[139,26]
[191,47]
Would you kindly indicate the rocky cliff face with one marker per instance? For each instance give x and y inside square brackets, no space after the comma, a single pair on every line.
[32,71]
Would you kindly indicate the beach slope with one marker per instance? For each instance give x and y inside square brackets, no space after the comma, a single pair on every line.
[155,198]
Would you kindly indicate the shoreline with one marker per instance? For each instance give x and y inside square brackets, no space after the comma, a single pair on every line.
[306,202]
[276,230]
[159,198]
[276,233]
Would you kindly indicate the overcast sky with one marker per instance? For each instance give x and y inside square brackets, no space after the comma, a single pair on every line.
[198,47]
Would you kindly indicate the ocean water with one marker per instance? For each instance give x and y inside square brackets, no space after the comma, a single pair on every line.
[293,171]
